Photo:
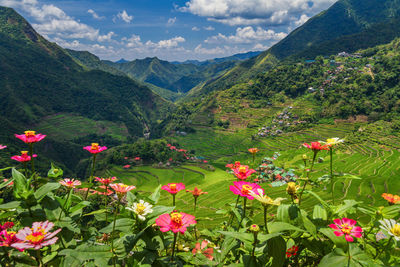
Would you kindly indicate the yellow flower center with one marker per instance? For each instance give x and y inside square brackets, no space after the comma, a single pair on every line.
[242,169]
[346,229]
[396,230]
[246,189]
[176,217]
[95,146]
[140,208]
[24,153]
[172,186]
[30,133]
[36,237]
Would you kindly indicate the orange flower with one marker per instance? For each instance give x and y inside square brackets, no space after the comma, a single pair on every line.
[253,150]
[196,192]
[121,189]
[316,146]
[392,199]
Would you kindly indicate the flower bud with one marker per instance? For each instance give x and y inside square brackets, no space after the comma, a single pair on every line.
[254,228]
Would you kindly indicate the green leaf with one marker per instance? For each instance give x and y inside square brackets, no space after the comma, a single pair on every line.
[55,171]
[276,227]
[10,205]
[244,237]
[45,189]
[339,258]
[95,212]
[391,212]
[227,246]
[124,225]
[276,248]
[339,241]
[20,183]
[77,257]
[4,184]
[131,198]
[320,213]
[310,227]
[326,205]
[347,207]
[77,209]
[156,194]
[157,211]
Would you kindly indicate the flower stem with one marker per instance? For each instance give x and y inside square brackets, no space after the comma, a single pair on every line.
[113,230]
[386,247]
[331,167]
[244,207]
[348,254]
[91,176]
[106,202]
[173,200]
[173,245]
[265,218]
[26,170]
[65,204]
[195,204]
[38,258]
[254,244]
[32,164]
[308,176]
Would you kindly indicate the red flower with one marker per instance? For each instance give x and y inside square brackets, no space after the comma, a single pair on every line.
[95,148]
[30,137]
[6,180]
[7,239]
[346,227]
[205,161]
[316,146]
[292,251]
[6,225]
[173,188]
[243,172]
[172,147]
[137,158]
[24,157]
[243,189]
[109,192]
[175,222]
[196,192]
[392,199]
[105,181]
[127,166]
[201,248]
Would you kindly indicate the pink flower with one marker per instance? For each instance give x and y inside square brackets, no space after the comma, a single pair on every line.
[173,188]
[127,166]
[36,237]
[175,222]
[109,192]
[95,148]
[316,146]
[172,147]
[125,157]
[6,180]
[105,181]
[71,183]
[7,239]
[243,172]
[137,158]
[121,189]
[346,227]
[30,137]
[6,225]
[200,248]
[24,157]
[243,189]
[2,147]
[205,161]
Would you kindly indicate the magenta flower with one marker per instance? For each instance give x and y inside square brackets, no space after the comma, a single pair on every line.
[243,172]
[36,237]
[30,137]
[71,183]
[175,222]
[243,189]
[173,188]
[6,225]
[346,227]
[105,181]
[8,238]
[24,157]
[2,147]
[95,148]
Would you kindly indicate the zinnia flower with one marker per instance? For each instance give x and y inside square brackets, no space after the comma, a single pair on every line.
[292,188]
[127,166]
[6,180]
[36,237]
[71,183]
[346,227]
[292,251]
[253,150]
[2,147]
[392,227]
[316,146]
[121,189]
[6,225]
[196,192]
[30,137]
[202,249]
[243,189]
[141,209]
[175,222]
[332,141]
[105,181]
[137,158]
[24,157]
[264,199]
[173,188]
[7,239]
[243,172]
[95,148]
[392,199]
[109,192]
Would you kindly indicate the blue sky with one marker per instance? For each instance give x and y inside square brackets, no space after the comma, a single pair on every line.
[171,30]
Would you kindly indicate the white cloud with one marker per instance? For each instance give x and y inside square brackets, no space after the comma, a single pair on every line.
[260,47]
[124,16]
[173,42]
[303,19]
[247,12]
[195,29]
[209,28]
[95,15]
[247,35]
[171,21]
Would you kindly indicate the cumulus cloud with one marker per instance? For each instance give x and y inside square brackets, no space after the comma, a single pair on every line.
[209,28]
[247,12]
[124,16]
[171,21]
[170,43]
[94,14]
[195,29]
[247,35]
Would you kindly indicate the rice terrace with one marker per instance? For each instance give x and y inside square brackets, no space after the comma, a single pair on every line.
[200,133]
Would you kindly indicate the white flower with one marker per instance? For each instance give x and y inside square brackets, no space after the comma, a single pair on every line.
[332,141]
[392,227]
[141,209]
[264,199]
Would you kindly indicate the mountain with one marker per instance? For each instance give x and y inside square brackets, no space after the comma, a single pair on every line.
[40,82]
[122,60]
[236,57]
[179,78]
[348,25]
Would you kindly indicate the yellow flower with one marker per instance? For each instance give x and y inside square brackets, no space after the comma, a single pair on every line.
[333,141]
[292,188]
[264,199]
